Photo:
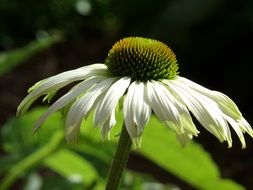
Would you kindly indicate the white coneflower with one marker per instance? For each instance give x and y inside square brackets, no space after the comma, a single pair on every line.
[144,72]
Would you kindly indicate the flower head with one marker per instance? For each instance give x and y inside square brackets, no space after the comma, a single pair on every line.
[145,73]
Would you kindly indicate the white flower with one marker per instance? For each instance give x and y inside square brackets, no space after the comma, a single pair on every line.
[171,100]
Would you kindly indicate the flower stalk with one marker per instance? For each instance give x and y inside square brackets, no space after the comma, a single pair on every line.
[119,161]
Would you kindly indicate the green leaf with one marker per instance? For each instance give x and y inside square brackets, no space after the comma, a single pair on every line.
[17,131]
[31,160]
[10,59]
[72,166]
[57,182]
[33,149]
[6,161]
[192,163]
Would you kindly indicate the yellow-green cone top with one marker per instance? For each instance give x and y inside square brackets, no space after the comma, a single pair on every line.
[142,59]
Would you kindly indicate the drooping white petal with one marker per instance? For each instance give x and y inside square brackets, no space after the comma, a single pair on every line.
[136,110]
[128,117]
[237,129]
[245,126]
[49,96]
[56,82]
[141,110]
[162,105]
[82,107]
[185,117]
[168,109]
[110,100]
[204,109]
[184,138]
[107,126]
[67,98]
[226,105]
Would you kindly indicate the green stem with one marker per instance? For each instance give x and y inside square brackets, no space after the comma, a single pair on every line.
[119,161]
[31,160]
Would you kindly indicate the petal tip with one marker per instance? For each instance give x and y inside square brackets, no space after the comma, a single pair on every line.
[136,142]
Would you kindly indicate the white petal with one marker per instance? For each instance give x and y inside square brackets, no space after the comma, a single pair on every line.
[136,110]
[237,129]
[67,98]
[185,117]
[82,107]
[165,106]
[204,109]
[109,102]
[184,138]
[107,126]
[49,97]
[141,110]
[245,126]
[56,82]
[227,106]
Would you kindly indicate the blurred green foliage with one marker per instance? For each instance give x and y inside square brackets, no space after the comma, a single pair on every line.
[86,164]
[10,59]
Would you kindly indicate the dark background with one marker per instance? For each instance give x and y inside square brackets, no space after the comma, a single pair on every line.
[212,40]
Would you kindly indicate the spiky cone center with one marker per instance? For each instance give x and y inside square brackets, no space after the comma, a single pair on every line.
[142,59]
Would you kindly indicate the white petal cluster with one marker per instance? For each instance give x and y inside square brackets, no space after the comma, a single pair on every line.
[170,100]
[212,109]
